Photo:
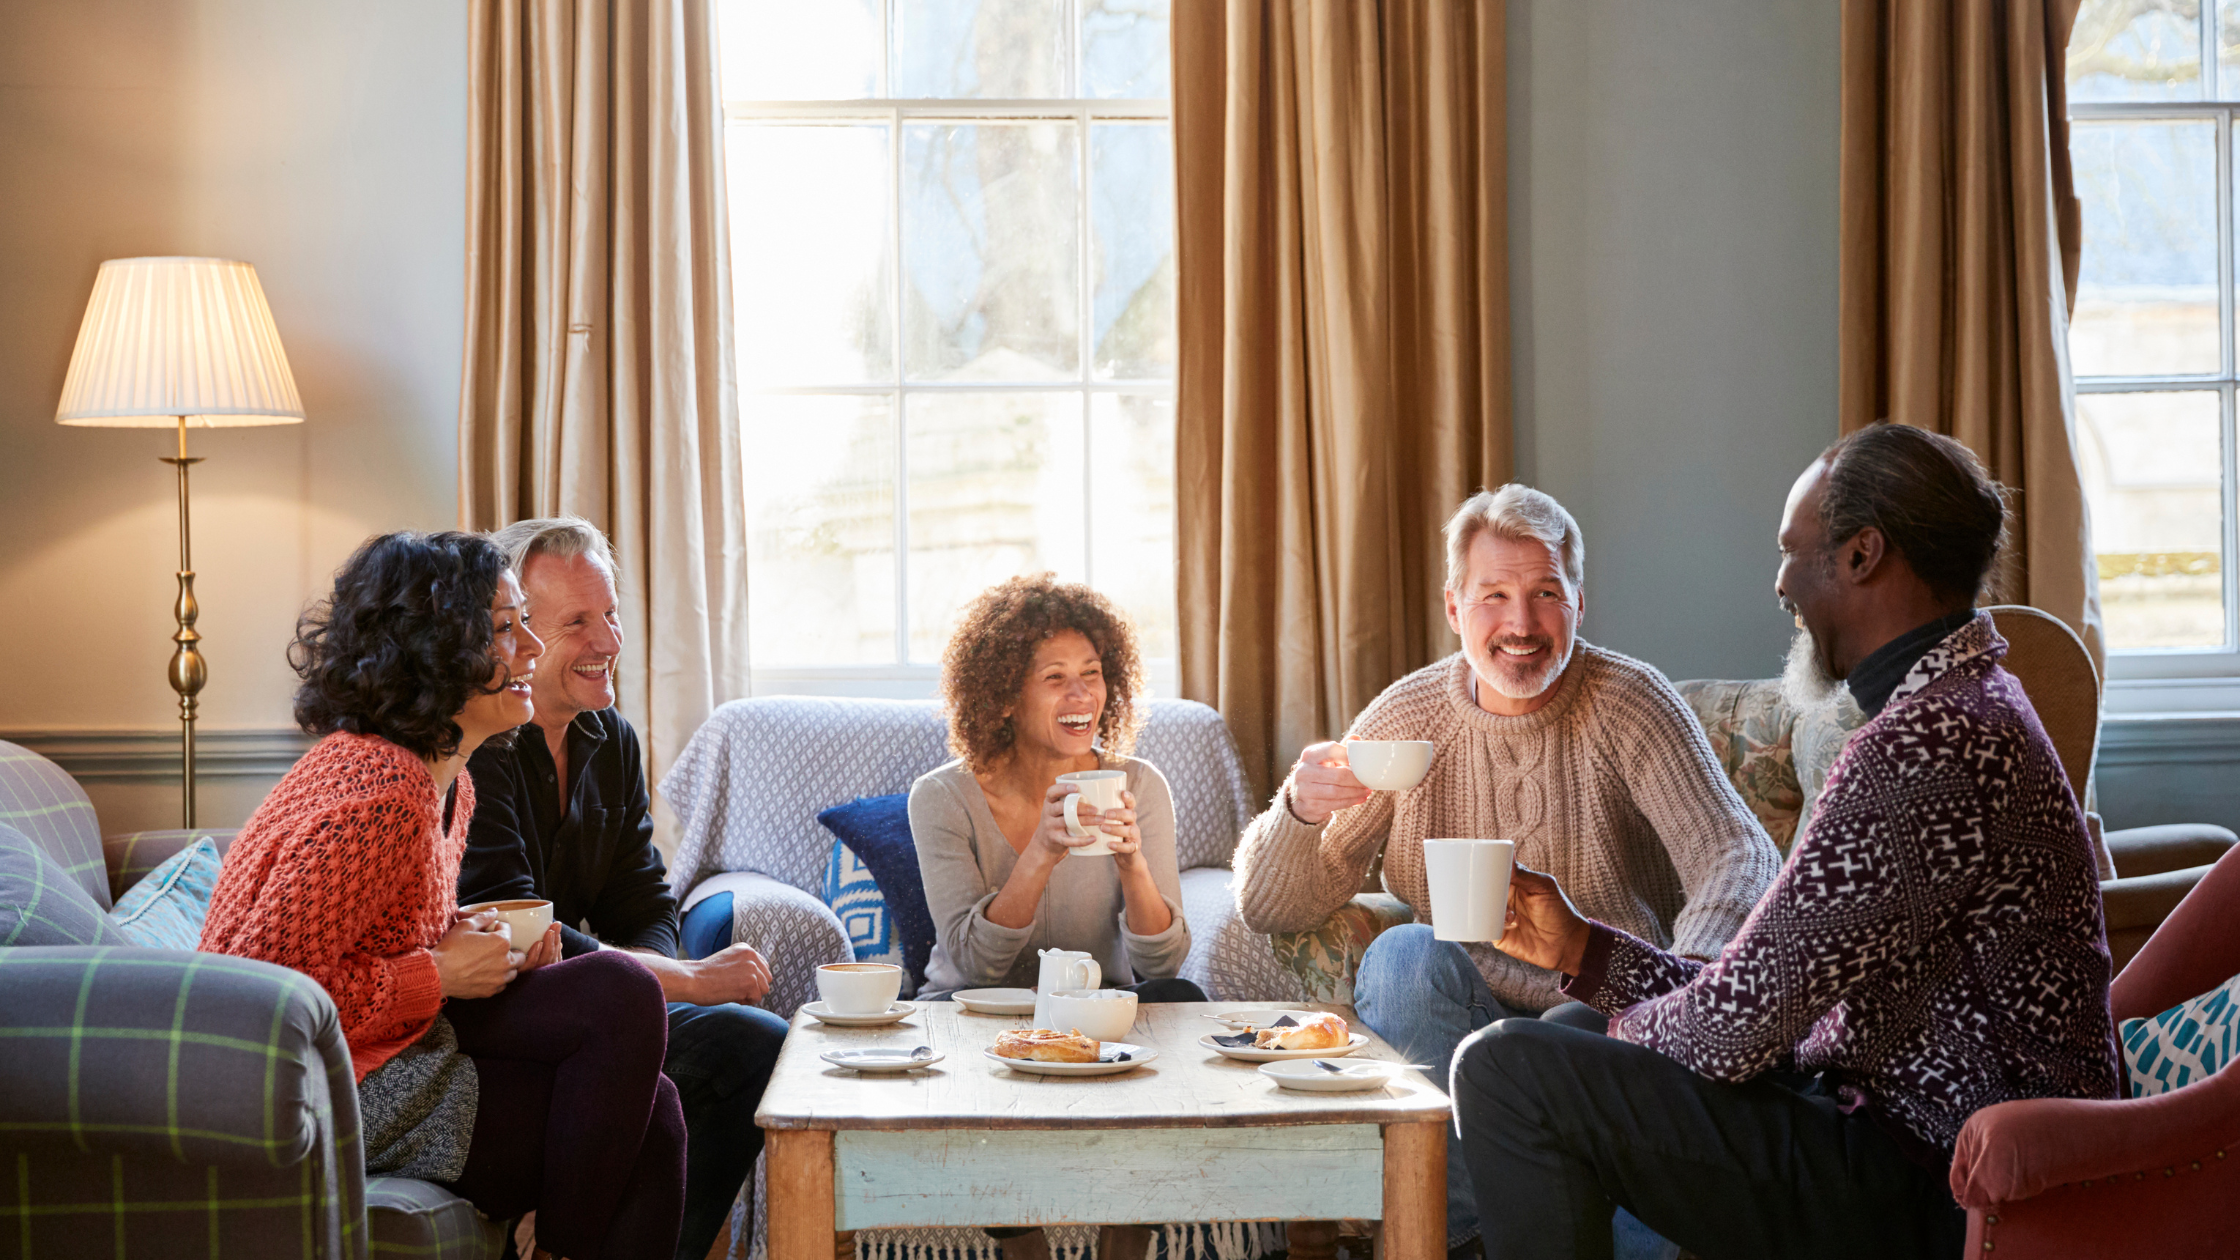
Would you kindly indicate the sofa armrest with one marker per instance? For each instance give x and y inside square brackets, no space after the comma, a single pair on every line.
[2017,1150]
[794,931]
[1327,957]
[131,856]
[2135,905]
[2154,850]
[182,1057]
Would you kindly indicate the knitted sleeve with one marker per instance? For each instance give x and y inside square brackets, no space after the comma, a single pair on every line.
[337,882]
[1721,852]
[1848,903]
[958,892]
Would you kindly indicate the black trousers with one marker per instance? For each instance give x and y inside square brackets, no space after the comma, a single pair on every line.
[1558,1125]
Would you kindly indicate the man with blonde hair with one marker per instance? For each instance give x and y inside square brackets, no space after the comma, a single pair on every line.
[1588,760]
[563,815]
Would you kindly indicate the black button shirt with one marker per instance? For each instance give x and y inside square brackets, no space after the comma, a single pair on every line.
[596,862]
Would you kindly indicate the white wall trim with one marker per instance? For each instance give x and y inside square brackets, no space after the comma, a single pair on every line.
[151,755]
[2163,739]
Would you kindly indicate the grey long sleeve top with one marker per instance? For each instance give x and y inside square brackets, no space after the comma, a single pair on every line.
[965,861]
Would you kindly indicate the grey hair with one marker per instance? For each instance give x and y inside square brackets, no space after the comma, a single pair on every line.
[561,536]
[1516,512]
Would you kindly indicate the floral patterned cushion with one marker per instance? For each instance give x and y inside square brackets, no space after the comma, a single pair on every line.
[1326,957]
[1750,729]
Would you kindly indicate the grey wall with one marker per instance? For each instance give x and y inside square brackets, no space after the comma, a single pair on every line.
[325,142]
[1673,202]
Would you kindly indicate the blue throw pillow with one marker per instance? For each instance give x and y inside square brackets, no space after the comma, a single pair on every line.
[2189,1042]
[853,893]
[707,926]
[40,904]
[166,908]
[876,832]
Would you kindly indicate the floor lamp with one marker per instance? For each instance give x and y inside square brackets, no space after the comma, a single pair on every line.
[179,343]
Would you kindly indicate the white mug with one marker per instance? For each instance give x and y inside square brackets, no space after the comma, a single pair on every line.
[1063,969]
[1102,789]
[1469,887]
[1389,765]
[1105,1014]
[525,919]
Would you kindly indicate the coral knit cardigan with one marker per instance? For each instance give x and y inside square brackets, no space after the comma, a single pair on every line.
[346,874]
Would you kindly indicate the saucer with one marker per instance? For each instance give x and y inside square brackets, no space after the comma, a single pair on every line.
[879,1059]
[825,1015]
[1300,1075]
[1249,1054]
[995,1001]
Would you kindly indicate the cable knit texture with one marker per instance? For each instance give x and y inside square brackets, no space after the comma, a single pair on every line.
[1934,944]
[1610,787]
[346,874]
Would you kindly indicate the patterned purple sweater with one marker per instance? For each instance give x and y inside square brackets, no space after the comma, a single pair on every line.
[1933,943]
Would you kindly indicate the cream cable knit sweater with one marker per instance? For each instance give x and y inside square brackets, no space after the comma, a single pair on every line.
[1610,787]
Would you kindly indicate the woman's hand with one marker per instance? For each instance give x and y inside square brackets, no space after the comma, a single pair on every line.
[1120,824]
[545,952]
[474,959]
[1051,836]
[1542,928]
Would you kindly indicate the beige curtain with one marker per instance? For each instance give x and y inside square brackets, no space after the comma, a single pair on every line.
[1960,241]
[599,377]
[1344,322]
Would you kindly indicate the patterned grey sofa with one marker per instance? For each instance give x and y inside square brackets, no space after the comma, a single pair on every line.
[165,1103]
[748,788]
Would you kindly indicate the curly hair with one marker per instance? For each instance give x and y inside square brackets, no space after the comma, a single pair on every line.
[403,641]
[984,668]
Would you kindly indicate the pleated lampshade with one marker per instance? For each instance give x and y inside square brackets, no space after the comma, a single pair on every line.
[171,337]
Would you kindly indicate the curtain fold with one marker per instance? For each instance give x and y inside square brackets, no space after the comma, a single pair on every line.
[1961,235]
[1343,383]
[598,377]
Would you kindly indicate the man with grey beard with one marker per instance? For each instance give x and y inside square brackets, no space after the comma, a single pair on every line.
[1588,760]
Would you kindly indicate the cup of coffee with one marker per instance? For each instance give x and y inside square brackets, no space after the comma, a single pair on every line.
[1389,765]
[1469,887]
[855,988]
[1102,789]
[525,920]
[1105,1014]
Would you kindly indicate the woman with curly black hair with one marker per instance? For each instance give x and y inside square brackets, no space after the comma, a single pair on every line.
[530,1085]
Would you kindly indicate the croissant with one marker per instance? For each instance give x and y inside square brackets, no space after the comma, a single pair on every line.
[1047,1046]
[1315,1032]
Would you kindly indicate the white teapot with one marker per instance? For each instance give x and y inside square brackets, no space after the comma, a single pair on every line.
[1063,969]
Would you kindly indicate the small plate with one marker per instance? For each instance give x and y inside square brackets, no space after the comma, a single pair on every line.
[1301,1075]
[879,1059]
[995,1001]
[1248,1054]
[891,1014]
[1256,1019]
[1137,1057]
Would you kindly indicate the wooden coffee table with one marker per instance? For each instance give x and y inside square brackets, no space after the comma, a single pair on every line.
[1191,1136]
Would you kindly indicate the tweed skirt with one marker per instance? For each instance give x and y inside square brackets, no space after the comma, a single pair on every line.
[418,1109]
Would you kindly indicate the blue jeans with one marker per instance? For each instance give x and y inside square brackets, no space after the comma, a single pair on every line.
[1424,996]
[719,1059]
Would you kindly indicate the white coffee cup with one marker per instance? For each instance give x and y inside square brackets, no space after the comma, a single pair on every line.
[1469,887]
[855,988]
[1105,1014]
[1102,789]
[1389,765]
[525,920]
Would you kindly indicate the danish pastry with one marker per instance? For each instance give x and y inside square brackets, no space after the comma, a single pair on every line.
[1315,1032]
[1047,1045]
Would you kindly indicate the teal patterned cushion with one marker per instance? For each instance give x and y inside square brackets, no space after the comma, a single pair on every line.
[166,910]
[854,896]
[2187,1043]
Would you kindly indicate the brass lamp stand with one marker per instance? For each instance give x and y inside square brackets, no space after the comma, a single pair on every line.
[188,672]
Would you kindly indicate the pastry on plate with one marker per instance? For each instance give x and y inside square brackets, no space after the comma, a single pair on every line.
[1315,1032]
[1046,1045]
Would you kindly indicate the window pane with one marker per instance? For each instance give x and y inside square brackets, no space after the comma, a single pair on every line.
[1131,495]
[820,529]
[2152,468]
[2135,50]
[989,49]
[1124,49]
[1131,241]
[2228,49]
[996,488]
[990,252]
[787,50]
[812,254]
[2147,298]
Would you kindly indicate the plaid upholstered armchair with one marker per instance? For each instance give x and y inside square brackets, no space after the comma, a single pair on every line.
[159,1102]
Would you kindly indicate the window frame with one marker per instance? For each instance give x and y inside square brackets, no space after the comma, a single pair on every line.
[901,677]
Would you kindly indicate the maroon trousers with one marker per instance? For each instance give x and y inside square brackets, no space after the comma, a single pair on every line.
[575,1119]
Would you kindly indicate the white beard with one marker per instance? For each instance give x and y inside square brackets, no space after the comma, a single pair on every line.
[1521,683]
[1806,684]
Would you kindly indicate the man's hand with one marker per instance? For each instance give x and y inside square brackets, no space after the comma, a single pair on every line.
[735,973]
[1543,928]
[1322,784]
[474,958]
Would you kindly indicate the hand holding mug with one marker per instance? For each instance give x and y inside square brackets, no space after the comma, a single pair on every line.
[545,952]
[1120,825]
[475,959]
[1052,834]
[1322,783]
[1543,927]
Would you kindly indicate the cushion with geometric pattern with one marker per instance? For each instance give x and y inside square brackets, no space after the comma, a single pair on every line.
[853,893]
[2189,1042]
[876,831]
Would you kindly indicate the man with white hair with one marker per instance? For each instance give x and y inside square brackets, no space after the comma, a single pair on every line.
[1588,760]
[563,815]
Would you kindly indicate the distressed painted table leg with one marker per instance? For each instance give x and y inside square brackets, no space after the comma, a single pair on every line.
[1313,1240]
[800,1193]
[1415,1191]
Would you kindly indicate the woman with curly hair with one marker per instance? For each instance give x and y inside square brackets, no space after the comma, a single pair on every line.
[529,1085]
[1036,675]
